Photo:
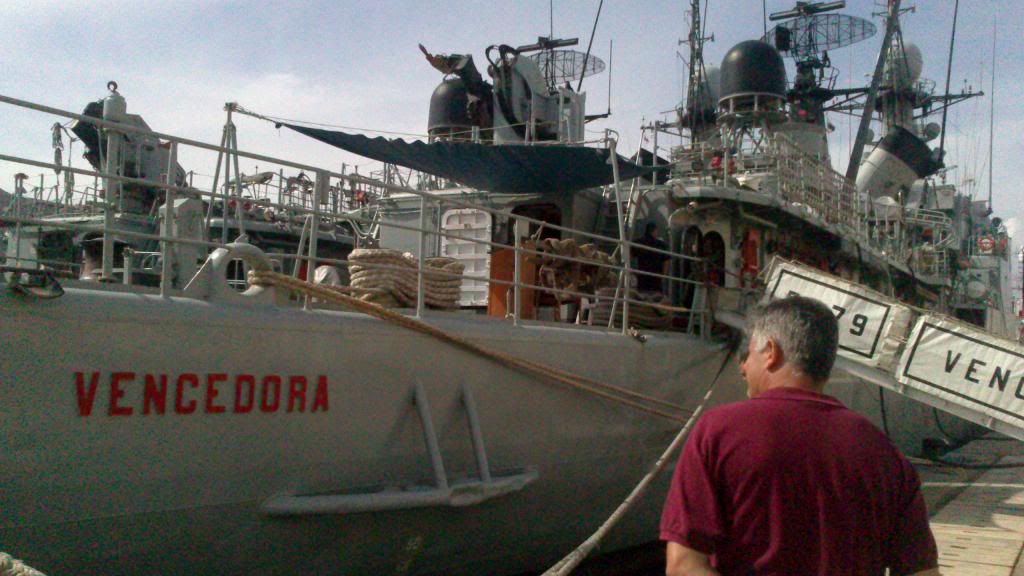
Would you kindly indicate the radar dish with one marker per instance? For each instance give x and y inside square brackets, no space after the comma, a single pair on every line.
[807,36]
[560,66]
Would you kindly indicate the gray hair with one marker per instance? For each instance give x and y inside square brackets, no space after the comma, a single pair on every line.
[806,331]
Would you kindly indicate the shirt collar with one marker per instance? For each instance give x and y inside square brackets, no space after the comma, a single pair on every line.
[798,394]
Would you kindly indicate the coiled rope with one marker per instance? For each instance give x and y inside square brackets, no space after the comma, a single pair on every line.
[10,566]
[630,398]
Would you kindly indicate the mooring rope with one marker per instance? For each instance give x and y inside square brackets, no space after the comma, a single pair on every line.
[569,563]
[607,391]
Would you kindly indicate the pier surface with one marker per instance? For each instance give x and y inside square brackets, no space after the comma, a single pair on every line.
[977,511]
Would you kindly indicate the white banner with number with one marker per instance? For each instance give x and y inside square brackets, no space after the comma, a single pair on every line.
[966,366]
[871,326]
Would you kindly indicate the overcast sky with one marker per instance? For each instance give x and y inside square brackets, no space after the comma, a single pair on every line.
[357,64]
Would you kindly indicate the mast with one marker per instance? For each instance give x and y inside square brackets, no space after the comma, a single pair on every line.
[891,22]
[949,70]
[991,114]
[694,108]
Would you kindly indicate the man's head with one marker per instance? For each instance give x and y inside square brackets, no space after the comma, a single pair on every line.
[792,342]
[651,230]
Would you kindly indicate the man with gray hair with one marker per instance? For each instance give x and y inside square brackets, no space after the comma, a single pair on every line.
[791,481]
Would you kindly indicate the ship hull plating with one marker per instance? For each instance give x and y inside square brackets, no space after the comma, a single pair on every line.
[144,435]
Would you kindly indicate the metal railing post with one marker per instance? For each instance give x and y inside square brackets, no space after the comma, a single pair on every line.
[19,197]
[110,186]
[517,273]
[319,199]
[169,229]
[421,257]
[623,241]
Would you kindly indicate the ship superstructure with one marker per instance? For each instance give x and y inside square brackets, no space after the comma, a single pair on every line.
[169,402]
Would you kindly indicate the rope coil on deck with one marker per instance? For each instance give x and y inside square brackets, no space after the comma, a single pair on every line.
[10,566]
[389,278]
[610,392]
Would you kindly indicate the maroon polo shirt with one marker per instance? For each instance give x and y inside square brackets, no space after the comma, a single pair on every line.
[792,482]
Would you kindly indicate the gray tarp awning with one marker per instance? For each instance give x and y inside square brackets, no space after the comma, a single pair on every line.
[507,168]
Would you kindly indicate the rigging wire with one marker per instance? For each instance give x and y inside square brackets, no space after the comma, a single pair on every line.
[590,44]
[280,120]
[949,71]
[991,113]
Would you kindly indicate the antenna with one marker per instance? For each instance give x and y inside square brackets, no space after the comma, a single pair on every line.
[991,114]
[591,43]
[697,92]
[809,33]
[891,23]
[609,77]
[949,70]
[561,66]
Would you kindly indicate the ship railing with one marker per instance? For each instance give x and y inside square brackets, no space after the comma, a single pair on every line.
[806,181]
[806,184]
[930,218]
[167,236]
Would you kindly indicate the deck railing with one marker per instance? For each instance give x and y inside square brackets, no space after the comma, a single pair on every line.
[316,210]
[904,236]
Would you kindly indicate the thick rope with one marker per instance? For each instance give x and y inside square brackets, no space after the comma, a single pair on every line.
[607,391]
[569,563]
[10,566]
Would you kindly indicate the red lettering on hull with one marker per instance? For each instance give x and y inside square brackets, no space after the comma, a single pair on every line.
[211,392]
[154,398]
[86,396]
[117,381]
[180,405]
[245,387]
[320,401]
[131,394]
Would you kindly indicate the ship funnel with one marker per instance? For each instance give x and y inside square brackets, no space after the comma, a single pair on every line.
[896,162]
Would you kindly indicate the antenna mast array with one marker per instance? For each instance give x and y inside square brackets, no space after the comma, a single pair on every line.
[697,110]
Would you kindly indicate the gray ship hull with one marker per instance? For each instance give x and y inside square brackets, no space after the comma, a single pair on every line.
[108,472]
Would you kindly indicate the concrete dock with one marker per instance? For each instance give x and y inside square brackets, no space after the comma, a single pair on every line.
[977,513]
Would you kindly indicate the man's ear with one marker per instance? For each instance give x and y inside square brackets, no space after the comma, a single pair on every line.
[774,357]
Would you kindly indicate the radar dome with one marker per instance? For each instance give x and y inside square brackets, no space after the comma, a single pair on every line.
[449,113]
[910,65]
[752,67]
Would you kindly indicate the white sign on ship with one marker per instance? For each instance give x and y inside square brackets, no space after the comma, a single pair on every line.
[965,366]
[871,326]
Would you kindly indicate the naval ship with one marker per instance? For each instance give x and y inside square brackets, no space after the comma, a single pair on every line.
[192,419]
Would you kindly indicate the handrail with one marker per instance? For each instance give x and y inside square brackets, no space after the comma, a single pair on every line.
[323,177]
[255,156]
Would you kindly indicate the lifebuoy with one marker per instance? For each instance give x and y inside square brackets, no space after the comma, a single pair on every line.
[986,244]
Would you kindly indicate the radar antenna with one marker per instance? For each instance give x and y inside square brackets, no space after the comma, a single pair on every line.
[806,33]
[566,66]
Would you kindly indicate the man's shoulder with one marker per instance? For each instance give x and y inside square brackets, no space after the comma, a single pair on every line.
[726,416]
[782,403]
